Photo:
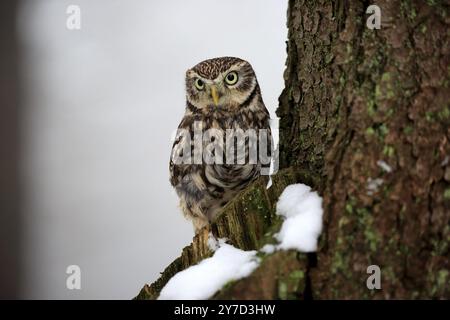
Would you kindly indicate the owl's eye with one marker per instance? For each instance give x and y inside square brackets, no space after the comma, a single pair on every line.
[199,84]
[231,78]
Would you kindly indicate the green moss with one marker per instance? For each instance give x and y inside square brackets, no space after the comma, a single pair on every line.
[413,14]
[439,281]
[349,48]
[386,77]
[371,108]
[408,10]
[388,151]
[349,207]
[296,281]
[372,238]
[343,221]
[282,290]
[407,130]
[389,274]
[365,222]
[383,129]
[329,58]
[380,131]
[423,28]
[385,89]
[390,94]
[442,278]
[429,116]
[297,275]
[301,139]
[340,263]
[439,247]
[447,194]
[378,94]
[370,131]
[444,113]
[291,285]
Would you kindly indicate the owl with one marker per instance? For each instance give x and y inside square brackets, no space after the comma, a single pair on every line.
[223,97]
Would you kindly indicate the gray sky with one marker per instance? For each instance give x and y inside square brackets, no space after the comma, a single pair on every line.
[101,105]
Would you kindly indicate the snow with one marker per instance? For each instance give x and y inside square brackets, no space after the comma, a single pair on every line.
[268,248]
[373,185]
[213,243]
[383,165]
[302,210]
[201,281]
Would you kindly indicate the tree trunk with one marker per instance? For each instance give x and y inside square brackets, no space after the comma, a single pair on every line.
[365,120]
[357,99]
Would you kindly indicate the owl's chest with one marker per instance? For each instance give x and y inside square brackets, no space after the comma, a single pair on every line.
[241,120]
[234,171]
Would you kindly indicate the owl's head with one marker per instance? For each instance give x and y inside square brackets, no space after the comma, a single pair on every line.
[220,83]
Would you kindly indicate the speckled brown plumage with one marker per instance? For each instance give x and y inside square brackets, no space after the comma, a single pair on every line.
[205,188]
[211,68]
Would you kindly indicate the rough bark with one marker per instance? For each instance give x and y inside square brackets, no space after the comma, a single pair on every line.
[356,100]
[355,96]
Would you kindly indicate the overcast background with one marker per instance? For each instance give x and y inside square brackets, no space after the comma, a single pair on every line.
[101,105]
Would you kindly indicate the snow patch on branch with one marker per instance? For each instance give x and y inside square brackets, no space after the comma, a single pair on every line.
[373,185]
[213,243]
[268,248]
[201,281]
[383,165]
[302,210]
[302,225]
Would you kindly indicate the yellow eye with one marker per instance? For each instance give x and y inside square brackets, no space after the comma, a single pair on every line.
[199,84]
[231,78]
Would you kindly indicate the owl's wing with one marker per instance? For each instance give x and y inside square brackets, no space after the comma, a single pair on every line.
[177,170]
[180,157]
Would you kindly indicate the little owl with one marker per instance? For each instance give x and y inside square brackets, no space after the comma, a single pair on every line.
[223,97]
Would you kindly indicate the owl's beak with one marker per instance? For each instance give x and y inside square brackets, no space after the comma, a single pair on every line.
[214,95]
